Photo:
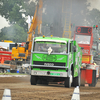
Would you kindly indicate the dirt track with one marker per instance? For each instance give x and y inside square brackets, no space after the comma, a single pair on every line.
[22,90]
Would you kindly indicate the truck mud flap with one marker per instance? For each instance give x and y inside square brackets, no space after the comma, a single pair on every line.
[94,79]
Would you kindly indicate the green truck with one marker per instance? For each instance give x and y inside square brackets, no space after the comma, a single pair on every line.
[55,59]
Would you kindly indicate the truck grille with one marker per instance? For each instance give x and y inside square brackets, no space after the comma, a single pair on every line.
[52,63]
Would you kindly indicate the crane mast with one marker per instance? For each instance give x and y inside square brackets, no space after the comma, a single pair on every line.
[36,22]
[66,12]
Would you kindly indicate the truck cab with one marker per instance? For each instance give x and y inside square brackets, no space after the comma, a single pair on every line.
[55,59]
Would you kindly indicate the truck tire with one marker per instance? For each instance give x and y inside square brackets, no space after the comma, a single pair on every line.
[7,61]
[77,80]
[33,80]
[67,82]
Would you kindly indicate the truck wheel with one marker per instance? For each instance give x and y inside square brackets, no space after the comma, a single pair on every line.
[33,80]
[68,82]
[77,80]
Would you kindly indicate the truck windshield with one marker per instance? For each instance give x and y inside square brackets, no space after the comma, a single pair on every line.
[82,39]
[43,46]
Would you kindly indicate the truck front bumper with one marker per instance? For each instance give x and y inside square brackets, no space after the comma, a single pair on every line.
[49,73]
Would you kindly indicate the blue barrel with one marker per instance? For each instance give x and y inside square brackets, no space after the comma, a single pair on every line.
[17,70]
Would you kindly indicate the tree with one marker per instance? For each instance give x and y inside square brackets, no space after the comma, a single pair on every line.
[14,33]
[94,19]
[13,11]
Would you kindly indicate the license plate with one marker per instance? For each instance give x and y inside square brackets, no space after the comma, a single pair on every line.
[56,74]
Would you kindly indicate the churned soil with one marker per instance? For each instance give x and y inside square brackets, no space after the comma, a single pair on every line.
[22,90]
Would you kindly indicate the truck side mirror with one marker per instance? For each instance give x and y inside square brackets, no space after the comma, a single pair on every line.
[74,48]
[82,48]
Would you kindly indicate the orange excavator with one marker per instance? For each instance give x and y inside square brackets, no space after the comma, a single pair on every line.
[21,54]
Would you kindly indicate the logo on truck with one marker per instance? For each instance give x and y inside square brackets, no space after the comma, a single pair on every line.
[49,58]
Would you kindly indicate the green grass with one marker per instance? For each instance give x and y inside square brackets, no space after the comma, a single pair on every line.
[12,74]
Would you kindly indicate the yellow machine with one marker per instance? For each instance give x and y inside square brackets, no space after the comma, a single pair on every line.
[8,41]
[21,53]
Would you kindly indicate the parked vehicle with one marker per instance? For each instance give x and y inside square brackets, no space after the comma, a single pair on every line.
[89,70]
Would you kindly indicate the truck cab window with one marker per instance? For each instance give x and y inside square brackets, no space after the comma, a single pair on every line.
[43,46]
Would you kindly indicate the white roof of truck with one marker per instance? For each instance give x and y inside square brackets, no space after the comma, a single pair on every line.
[4,44]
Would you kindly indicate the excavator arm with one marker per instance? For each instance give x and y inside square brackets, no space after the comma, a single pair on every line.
[37,19]
[36,22]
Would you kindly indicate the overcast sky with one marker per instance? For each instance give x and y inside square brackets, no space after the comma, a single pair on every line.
[3,22]
[94,4]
